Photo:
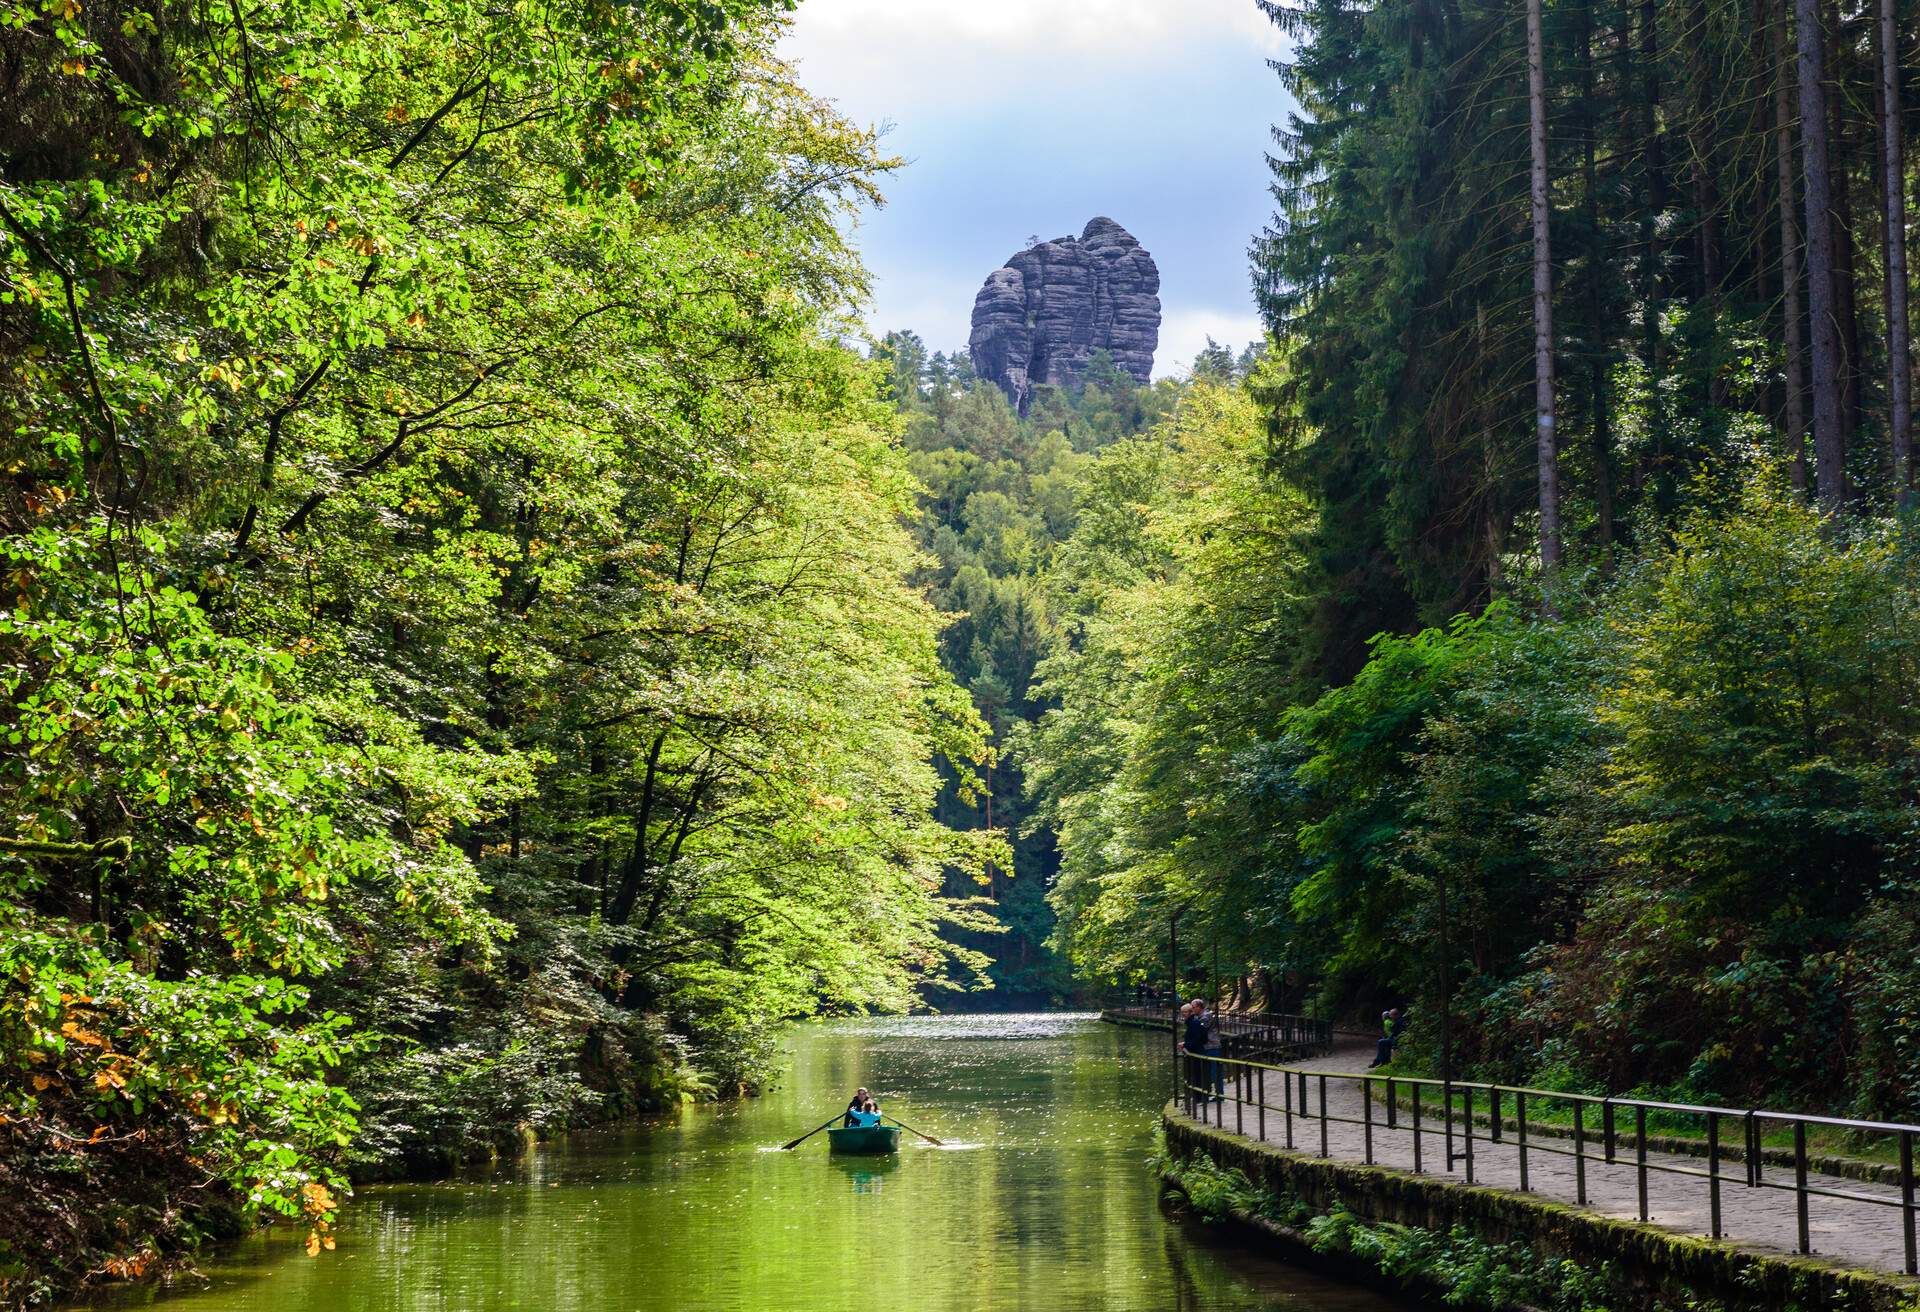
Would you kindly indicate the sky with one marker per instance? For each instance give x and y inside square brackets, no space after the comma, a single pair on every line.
[1022,118]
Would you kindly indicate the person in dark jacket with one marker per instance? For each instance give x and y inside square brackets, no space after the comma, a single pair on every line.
[1201,1040]
[862,1100]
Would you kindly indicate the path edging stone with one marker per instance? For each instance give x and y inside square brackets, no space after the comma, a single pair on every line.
[1646,1256]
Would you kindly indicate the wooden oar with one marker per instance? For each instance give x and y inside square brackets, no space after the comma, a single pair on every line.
[810,1133]
[922,1133]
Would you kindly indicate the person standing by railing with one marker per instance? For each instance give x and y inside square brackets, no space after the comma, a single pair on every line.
[1202,1040]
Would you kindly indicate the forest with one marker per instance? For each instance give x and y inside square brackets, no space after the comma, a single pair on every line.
[487,641]
[1546,661]
[464,678]
[1000,495]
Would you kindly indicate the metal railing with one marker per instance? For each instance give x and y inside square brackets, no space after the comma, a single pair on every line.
[1595,1132]
[1245,1033]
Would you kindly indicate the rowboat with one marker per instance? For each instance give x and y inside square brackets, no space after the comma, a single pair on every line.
[867,1139]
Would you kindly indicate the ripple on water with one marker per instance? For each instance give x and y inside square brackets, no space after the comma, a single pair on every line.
[996,1026]
[1039,1201]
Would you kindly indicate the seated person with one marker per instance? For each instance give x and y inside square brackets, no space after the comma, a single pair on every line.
[867,1116]
[861,1101]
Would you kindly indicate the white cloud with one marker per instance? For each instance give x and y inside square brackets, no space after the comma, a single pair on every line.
[887,59]
[1184,334]
[1032,116]
[1045,27]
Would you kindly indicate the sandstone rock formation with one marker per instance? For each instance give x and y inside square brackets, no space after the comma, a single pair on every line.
[1039,319]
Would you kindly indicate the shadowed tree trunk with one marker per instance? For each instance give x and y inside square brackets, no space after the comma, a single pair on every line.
[1829,442]
[1653,469]
[1601,426]
[1893,183]
[1793,312]
[1843,154]
[1547,446]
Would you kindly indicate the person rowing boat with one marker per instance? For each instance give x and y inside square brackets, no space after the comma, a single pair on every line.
[862,1111]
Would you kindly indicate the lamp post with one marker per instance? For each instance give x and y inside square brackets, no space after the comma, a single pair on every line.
[1173,966]
[1446,1015]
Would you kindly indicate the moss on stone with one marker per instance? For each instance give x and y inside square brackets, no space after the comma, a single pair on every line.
[1657,1265]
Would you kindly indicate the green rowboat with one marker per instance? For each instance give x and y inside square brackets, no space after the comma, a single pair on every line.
[868,1139]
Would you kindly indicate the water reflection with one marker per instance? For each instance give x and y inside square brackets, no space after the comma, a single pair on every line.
[1046,1203]
[867,1175]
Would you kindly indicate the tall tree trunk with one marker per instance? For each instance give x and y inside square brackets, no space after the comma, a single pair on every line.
[1547,447]
[1846,262]
[1655,465]
[1792,312]
[1829,442]
[1601,427]
[1893,182]
[1700,143]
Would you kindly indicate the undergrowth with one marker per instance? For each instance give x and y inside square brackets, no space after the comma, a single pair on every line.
[1467,1270]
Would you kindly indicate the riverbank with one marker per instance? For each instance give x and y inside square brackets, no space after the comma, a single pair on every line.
[1038,1204]
[74,1224]
[1420,1232]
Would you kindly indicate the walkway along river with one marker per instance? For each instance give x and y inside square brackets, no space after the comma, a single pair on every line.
[1049,1205]
[1317,1107]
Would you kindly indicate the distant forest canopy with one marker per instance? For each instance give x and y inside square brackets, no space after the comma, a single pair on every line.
[1652,805]
[1001,495]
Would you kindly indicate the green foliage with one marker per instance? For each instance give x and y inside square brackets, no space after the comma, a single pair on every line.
[1001,496]
[1765,736]
[1468,1270]
[1152,768]
[1671,824]
[448,548]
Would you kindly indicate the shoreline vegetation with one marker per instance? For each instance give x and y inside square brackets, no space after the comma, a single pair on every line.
[483,646]
[456,587]
[1347,716]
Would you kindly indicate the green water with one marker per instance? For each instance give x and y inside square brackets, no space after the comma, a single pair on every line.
[1049,1206]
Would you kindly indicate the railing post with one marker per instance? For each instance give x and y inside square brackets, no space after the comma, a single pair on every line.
[1286,1098]
[1800,1183]
[1323,1118]
[1393,1107]
[1493,1096]
[1606,1130]
[1713,1171]
[1366,1114]
[1416,1128]
[1260,1101]
[1753,1151]
[1239,1099]
[1640,1155]
[1520,1119]
[1178,1082]
[1446,1120]
[1579,1153]
[1466,1125]
[1906,1199]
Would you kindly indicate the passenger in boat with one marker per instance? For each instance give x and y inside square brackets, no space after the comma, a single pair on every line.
[867,1115]
[857,1105]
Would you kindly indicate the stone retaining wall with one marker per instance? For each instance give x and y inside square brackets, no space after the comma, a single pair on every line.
[1677,1267]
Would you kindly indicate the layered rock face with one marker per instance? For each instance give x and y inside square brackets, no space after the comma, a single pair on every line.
[1039,319]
